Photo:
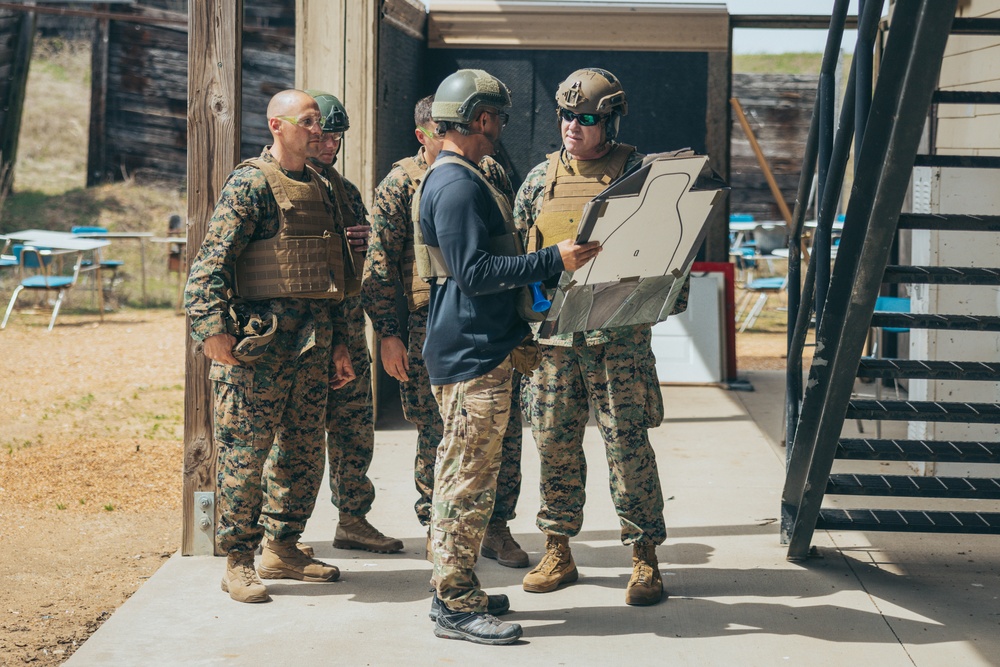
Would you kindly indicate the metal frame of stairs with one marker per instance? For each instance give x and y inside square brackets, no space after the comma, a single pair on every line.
[902,100]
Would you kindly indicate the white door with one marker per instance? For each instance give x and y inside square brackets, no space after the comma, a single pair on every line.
[689,346]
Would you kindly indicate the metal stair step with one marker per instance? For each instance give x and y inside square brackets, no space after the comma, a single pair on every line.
[957,223]
[913,369]
[910,521]
[975,26]
[913,487]
[958,161]
[942,451]
[970,413]
[966,97]
[942,275]
[937,321]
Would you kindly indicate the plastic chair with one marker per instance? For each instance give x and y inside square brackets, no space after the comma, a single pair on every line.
[33,274]
[763,287]
[885,304]
[111,265]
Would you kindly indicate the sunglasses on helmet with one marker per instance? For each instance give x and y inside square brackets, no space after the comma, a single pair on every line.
[585,119]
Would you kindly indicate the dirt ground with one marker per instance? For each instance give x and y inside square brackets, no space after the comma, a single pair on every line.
[90,472]
[90,468]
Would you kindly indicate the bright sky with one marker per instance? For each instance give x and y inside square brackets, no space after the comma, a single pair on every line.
[770,41]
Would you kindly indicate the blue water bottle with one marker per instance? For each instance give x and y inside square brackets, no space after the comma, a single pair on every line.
[539,303]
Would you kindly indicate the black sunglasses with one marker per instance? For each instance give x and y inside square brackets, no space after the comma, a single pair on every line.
[585,119]
[502,116]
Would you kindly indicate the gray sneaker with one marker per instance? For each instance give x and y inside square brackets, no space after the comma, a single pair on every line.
[475,627]
[496,605]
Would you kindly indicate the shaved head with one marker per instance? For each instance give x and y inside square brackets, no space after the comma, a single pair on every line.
[293,142]
[290,102]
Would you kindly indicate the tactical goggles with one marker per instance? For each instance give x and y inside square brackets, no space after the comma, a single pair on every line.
[306,122]
[585,119]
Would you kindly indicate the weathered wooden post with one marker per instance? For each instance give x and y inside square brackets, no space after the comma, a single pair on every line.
[215,64]
[18,50]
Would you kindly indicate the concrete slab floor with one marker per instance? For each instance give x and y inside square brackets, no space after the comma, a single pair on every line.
[733,598]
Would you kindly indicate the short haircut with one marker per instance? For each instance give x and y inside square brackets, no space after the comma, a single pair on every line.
[422,111]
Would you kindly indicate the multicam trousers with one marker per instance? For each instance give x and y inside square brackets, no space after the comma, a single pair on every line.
[351,428]
[475,416]
[420,409]
[269,434]
[614,379]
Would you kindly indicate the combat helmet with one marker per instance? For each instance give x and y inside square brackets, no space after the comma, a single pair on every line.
[459,95]
[333,112]
[593,90]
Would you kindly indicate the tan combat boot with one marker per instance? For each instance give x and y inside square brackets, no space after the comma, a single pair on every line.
[555,568]
[241,581]
[645,587]
[499,545]
[284,560]
[354,532]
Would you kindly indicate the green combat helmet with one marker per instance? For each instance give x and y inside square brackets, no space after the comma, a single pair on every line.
[593,90]
[461,93]
[334,114]
[253,332]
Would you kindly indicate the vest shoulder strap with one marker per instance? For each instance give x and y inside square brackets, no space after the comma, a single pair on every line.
[415,172]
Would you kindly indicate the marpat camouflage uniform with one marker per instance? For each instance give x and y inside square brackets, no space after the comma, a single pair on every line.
[349,423]
[613,371]
[392,227]
[271,410]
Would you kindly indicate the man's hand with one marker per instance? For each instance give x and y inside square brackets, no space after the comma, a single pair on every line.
[357,237]
[220,348]
[574,256]
[343,371]
[394,358]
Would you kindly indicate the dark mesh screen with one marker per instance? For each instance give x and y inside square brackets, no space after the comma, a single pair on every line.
[401,61]
[652,81]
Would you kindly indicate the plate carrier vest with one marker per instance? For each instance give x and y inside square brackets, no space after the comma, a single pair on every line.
[417,291]
[305,259]
[429,260]
[578,183]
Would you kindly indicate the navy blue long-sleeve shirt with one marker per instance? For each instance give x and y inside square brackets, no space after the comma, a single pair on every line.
[472,323]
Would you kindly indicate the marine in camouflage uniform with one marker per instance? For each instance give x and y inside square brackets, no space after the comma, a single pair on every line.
[611,371]
[388,266]
[269,414]
[349,419]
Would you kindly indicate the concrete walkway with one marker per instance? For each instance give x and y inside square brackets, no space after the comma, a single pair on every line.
[869,599]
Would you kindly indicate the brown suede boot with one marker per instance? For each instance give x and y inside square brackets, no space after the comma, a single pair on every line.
[555,568]
[645,587]
[499,545]
[241,581]
[284,560]
[354,532]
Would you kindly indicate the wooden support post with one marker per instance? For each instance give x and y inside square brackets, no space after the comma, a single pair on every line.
[215,65]
[97,144]
[14,104]
[336,50]
[762,161]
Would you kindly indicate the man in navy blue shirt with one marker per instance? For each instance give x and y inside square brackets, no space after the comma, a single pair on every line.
[473,327]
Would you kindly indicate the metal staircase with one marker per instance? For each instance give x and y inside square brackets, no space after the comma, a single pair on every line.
[903,98]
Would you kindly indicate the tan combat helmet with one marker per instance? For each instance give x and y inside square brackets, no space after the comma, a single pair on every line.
[594,91]
[459,95]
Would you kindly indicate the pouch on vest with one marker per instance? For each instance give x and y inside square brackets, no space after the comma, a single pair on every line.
[309,267]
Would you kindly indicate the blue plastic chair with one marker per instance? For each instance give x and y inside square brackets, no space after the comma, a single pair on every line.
[885,304]
[111,265]
[33,269]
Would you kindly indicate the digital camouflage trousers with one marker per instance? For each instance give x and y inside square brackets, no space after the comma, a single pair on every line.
[617,380]
[351,429]
[269,434]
